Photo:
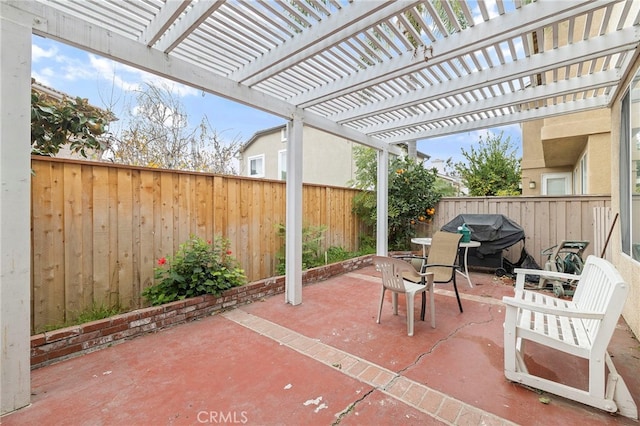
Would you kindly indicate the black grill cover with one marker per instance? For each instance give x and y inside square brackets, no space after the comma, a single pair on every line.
[495,231]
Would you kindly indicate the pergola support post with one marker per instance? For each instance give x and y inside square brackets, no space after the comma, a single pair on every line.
[382,211]
[293,267]
[15,231]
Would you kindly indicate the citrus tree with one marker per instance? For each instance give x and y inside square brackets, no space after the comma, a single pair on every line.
[412,195]
[58,122]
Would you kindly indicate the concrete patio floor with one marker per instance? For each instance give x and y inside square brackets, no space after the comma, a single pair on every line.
[323,362]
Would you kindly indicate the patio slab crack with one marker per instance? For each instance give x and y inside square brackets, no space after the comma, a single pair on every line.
[407,391]
[439,342]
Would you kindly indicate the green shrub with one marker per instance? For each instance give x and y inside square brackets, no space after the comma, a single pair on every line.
[312,256]
[94,313]
[199,267]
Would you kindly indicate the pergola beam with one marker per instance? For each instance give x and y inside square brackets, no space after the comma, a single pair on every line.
[53,23]
[162,22]
[504,120]
[554,59]
[360,16]
[529,95]
[467,42]
[185,26]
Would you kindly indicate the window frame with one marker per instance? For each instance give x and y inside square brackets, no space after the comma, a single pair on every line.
[282,164]
[628,172]
[548,176]
[259,174]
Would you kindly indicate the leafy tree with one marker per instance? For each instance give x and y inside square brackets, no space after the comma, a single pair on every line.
[159,136]
[58,122]
[411,192]
[492,169]
[445,188]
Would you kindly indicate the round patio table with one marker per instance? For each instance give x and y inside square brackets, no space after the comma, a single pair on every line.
[425,242]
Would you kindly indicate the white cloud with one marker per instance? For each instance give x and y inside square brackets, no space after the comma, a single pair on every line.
[129,78]
[46,76]
[38,53]
[88,67]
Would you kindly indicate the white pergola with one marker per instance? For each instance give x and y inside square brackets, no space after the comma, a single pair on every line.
[376,72]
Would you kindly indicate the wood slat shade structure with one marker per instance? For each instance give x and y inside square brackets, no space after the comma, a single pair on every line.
[378,73]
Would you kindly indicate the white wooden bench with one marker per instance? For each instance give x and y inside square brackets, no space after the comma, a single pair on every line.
[581,327]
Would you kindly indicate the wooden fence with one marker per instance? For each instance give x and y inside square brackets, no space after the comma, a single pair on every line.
[546,220]
[98,229]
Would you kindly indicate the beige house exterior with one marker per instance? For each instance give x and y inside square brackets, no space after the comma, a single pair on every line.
[581,154]
[626,200]
[567,154]
[327,159]
[570,154]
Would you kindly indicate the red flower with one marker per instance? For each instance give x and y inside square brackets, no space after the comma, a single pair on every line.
[209,242]
[229,251]
[162,261]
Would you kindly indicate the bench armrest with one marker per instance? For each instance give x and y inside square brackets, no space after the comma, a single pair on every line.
[521,273]
[550,310]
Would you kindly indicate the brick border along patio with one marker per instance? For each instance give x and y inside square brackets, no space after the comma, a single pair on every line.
[63,343]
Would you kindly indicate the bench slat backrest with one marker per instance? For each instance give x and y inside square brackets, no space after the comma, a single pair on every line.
[601,289]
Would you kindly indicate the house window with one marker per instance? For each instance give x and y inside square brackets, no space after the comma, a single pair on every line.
[630,170]
[556,184]
[283,134]
[256,166]
[282,164]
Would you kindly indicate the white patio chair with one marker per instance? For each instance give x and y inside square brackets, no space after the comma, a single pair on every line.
[394,272]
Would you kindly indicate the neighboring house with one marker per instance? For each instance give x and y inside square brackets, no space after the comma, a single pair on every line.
[65,152]
[570,154]
[327,159]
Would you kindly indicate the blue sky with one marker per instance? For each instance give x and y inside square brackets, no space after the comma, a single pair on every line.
[109,84]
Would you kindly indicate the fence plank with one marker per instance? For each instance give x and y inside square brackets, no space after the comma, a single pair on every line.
[47,282]
[101,234]
[125,278]
[147,257]
[74,288]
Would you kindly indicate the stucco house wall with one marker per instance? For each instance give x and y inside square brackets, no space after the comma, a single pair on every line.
[327,159]
[558,145]
[629,268]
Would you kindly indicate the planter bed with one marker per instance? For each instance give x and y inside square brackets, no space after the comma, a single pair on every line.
[63,343]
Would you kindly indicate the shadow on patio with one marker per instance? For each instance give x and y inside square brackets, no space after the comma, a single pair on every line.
[323,362]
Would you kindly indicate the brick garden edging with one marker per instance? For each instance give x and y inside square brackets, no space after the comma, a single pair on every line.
[57,345]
